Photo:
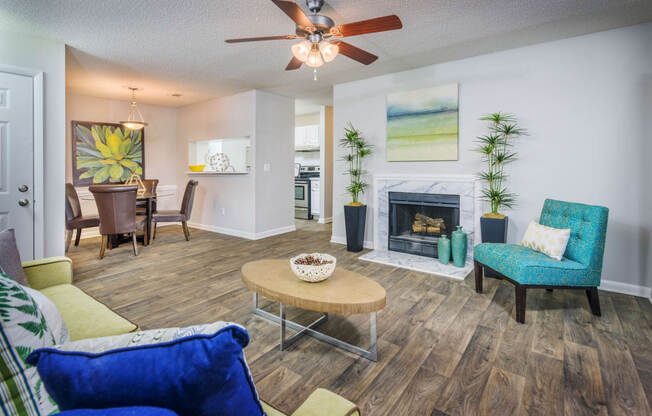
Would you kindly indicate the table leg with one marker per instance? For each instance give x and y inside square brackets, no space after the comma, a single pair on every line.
[281,319]
[149,221]
[282,322]
[373,348]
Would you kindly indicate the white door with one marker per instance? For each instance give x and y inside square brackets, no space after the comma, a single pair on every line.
[17,160]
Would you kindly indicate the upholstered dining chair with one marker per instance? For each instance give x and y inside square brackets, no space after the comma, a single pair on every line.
[74,218]
[116,205]
[183,215]
[579,268]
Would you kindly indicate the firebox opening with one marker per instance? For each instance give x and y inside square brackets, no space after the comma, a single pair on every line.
[417,220]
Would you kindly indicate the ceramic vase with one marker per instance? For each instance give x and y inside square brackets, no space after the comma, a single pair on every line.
[444,249]
[458,244]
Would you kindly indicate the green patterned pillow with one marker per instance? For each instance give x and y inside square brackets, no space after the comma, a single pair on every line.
[23,328]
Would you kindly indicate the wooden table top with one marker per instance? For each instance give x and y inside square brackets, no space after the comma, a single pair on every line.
[345,292]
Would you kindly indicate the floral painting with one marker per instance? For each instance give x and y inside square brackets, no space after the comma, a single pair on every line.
[105,153]
[423,124]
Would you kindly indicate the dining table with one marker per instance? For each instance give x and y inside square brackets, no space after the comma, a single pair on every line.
[149,198]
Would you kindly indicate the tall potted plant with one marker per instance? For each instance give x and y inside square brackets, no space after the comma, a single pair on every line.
[355,212]
[496,148]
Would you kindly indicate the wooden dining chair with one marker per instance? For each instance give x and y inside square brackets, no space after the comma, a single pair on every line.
[74,218]
[183,215]
[116,205]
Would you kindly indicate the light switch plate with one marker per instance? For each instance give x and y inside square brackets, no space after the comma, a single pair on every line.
[267,167]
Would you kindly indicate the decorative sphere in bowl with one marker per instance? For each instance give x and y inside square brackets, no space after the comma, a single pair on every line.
[313,267]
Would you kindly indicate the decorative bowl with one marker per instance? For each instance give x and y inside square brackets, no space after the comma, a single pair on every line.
[197,168]
[313,273]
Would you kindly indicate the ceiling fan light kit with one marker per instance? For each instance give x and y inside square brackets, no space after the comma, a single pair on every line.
[321,40]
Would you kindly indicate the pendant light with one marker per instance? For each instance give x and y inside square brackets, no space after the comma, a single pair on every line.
[135,119]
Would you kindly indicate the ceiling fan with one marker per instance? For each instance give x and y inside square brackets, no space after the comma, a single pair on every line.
[321,39]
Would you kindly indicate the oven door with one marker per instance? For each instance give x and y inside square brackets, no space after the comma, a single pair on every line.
[301,195]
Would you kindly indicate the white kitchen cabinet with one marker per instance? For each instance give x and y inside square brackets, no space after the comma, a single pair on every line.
[314,196]
[306,137]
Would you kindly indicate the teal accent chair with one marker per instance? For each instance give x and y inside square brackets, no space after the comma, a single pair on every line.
[579,268]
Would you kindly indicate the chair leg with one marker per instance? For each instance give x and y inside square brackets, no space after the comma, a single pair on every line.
[68,239]
[154,233]
[594,300]
[145,236]
[520,304]
[548,290]
[105,239]
[133,240]
[77,237]
[477,267]
[186,232]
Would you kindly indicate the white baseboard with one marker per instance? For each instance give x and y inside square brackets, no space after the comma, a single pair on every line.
[323,220]
[342,240]
[275,231]
[243,234]
[626,289]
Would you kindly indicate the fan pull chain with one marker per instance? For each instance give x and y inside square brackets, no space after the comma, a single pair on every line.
[314,74]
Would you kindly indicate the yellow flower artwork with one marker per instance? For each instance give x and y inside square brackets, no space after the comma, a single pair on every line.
[105,153]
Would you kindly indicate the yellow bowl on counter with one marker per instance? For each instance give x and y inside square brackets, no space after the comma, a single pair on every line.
[197,168]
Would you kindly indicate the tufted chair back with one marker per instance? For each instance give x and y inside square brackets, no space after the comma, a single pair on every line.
[588,225]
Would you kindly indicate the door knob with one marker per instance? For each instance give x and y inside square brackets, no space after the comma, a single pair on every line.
[23,188]
[23,202]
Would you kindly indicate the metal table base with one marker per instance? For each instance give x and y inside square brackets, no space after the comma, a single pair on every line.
[309,330]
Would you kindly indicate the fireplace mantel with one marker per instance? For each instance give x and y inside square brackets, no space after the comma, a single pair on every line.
[464,185]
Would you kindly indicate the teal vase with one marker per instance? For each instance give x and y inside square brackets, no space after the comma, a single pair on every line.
[458,242]
[444,249]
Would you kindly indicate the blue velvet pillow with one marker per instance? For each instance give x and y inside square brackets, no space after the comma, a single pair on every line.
[120,411]
[203,374]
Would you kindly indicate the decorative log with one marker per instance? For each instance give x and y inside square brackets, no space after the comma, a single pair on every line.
[419,227]
[435,222]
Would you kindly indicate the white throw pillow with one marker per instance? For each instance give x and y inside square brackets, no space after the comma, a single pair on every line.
[52,316]
[547,240]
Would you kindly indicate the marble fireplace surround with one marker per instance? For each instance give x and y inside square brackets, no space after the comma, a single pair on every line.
[466,186]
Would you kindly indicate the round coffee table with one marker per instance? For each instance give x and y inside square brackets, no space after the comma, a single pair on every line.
[344,293]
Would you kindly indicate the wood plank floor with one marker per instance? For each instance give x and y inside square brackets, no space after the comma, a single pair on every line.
[443,349]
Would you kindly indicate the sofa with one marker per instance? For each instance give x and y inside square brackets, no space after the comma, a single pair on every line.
[86,317]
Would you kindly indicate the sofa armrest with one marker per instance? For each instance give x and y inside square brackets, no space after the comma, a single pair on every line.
[51,271]
[326,403]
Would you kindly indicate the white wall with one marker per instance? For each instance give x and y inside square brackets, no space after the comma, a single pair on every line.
[160,145]
[587,102]
[253,205]
[160,133]
[274,147]
[222,203]
[48,56]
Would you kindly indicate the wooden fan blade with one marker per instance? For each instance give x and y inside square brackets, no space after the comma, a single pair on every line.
[294,12]
[379,24]
[356,53]
[259,38]
[294,64]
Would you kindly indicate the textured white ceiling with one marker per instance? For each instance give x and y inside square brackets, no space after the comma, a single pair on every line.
[170,46]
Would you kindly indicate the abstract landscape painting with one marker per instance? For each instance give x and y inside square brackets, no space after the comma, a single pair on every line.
[423,124]
[105,153]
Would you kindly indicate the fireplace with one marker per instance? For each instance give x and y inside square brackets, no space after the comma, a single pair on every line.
[417,220]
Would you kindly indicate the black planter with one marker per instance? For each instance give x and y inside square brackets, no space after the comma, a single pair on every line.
[493,230]
[354,219]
